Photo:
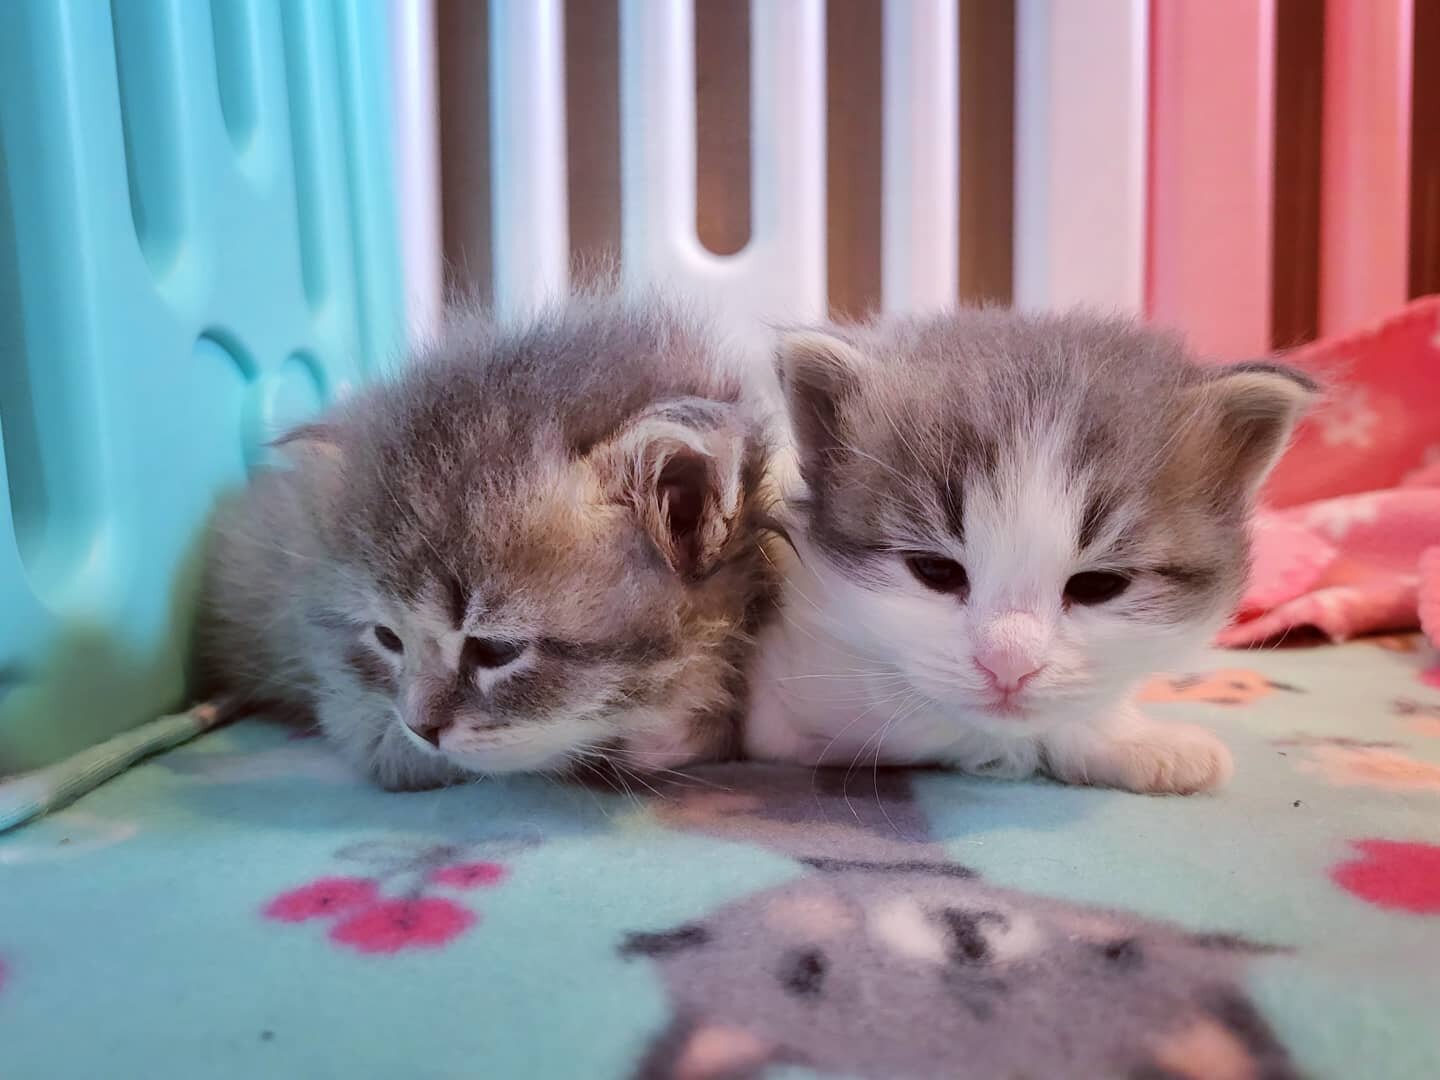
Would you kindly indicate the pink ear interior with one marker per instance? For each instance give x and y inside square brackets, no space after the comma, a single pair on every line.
[682,490]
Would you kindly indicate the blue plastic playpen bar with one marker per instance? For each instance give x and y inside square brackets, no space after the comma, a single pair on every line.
[197,248]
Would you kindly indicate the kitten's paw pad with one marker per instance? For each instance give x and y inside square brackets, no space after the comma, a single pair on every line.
[1160,759]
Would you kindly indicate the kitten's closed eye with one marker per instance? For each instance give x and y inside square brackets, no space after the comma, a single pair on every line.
[489,653]
[389,640]
[939,573]
[1095,587]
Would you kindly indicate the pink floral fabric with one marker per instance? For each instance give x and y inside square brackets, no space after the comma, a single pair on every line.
[1349,541]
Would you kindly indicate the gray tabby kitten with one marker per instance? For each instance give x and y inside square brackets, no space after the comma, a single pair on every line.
[530,549]
[1008,522]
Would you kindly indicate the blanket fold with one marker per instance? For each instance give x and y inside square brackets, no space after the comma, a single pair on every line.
[1349,540]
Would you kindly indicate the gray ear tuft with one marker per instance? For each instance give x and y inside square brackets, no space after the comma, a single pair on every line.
[818,371]
[317,441]
[1253,408]
[316,458]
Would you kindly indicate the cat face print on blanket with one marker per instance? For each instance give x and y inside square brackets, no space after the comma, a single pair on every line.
[885,959]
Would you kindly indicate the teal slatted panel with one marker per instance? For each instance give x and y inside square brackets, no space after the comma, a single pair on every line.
[197,248]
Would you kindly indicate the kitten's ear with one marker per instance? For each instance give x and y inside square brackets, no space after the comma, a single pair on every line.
[1252,409]
[818,371]
[314,446]
[679,466]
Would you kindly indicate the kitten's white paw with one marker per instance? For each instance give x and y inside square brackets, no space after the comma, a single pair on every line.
[1145,757]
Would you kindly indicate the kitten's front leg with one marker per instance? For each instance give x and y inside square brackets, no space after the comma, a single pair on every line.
[1133,753]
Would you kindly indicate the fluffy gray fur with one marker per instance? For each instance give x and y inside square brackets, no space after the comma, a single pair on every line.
[531,548]
[955,402]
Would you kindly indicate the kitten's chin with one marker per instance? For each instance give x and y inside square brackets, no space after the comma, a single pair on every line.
[1008,718]
[1019,716]
[1012,714]
[499,761]
[1008,710]
[486,754]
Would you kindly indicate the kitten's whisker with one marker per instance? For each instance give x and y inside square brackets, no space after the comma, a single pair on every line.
[638,777]
[793,586]
[820,758]
[892,723]
[829,641]
[878,736]
[622,771]
[893,675]
[662,771]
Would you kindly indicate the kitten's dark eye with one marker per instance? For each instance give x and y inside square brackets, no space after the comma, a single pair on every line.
[942,575]
[1095,587]
[388,639]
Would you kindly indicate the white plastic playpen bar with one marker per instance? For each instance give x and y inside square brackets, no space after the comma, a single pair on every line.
[1081,118]
[1144,158]
[529,202]
[415,67]
[1081,159]
[781,271]
[920,130]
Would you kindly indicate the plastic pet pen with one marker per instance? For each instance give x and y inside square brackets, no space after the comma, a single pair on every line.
[214,217]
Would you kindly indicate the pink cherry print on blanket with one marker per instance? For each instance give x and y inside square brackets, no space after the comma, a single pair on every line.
[469,875]
[321,898]
[424,922]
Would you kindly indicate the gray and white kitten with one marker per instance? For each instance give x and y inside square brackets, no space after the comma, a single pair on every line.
[530,549]
[1007,522]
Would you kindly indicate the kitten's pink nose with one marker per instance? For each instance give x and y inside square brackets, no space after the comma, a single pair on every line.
[1011,650]
[1007,669]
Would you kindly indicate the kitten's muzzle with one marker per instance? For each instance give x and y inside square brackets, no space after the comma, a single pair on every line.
[429,727]
[441,695]
[1011,651]
[1010,654]
[1007,676]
